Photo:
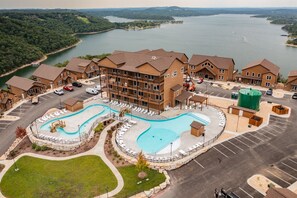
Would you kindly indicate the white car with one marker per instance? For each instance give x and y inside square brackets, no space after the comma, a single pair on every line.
[59,92]
[92,91]
[97,87]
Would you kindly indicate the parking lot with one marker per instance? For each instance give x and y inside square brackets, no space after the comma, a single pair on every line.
[4,124]
[233,150]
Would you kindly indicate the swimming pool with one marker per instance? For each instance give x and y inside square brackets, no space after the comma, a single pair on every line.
[159,135]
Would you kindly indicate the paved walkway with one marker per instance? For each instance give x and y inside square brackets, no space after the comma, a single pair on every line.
[97,150]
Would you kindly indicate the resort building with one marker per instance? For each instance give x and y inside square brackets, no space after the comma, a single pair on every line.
[24,87]
[152,79]
[51,76]
[211,67]
[291,84]
[6,100]
[262,72]
[81,68]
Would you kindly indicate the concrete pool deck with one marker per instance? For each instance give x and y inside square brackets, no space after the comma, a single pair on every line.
[185,141]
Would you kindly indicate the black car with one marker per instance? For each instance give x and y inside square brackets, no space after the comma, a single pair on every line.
[76,84]
[294,96]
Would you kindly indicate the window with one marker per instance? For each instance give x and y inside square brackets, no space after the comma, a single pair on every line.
[145,85]
[112,95]
[211,66]
[267,84]
[118,79]
[221,77]
[151,77]
[144,103]
[167,75]
[140,93]
[110,86]
[247,73]
[125,89]
[253,74]
[259,75]
[135,83]
[125,72]
[268,77]
[202,65]
[145,76]
[193,67]
[114,71]
[156,87]
[137,75]
[222,71]
[182,70]
[158,97]
[174,74]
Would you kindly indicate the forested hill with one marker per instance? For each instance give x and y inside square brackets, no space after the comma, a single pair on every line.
[26,36]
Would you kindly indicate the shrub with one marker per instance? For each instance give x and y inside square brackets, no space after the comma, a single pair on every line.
[99,128]
[34,145]
[20,132]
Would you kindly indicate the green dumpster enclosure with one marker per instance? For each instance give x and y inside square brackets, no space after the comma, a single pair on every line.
[249,98]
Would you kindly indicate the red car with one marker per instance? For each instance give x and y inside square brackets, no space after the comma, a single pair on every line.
[68,88]
[200,80]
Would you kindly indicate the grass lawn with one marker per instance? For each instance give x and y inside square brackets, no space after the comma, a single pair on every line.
[85,176]
[131,187]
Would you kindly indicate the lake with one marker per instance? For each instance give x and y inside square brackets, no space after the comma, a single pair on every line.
[241,37]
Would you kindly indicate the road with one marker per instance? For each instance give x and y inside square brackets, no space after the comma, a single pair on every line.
[270,151]
[29,113]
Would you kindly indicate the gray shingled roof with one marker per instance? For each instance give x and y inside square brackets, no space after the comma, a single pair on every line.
[47,72]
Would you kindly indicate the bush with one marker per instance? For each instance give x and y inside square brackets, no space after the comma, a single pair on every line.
[39,148]
[34,145]
[99,128]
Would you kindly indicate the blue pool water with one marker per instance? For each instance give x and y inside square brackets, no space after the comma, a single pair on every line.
[159,135]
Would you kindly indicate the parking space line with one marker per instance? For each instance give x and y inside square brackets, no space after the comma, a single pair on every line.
[228,149]
[211,93]
[255,137]
[199,164]
[292,161]
[218,95]
[289,166]
[285,172]
[220,152]
[269,132]
[245,192]
[235,145]
[258,133]
[274,130]
[242,142]
[278,177]
[249,139]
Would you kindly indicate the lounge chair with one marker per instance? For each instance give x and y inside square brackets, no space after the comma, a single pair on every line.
[57,113]
[65,111]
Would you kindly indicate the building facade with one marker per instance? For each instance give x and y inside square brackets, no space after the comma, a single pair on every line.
[211,67]
[263,73]
[78,68]
[24,87]
[7,100]
[143,78]
[291,84]
[51,76]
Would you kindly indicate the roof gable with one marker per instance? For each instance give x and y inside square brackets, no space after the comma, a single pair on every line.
[48,72]
[219,62]
[274,69]
[20,82]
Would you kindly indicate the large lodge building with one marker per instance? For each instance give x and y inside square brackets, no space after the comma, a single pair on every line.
[152,79]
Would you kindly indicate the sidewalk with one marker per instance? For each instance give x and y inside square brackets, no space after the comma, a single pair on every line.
[97,150]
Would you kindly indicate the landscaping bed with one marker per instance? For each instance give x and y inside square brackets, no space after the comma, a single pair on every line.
[86,176]
[134,185]
[110,152]
[26,146]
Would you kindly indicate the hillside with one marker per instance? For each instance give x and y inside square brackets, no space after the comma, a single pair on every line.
[26,36]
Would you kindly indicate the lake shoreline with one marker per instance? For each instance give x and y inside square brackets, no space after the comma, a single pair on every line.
[42,59]
[57,51]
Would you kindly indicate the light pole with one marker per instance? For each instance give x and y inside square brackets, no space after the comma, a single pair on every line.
[15,165]
[171,148]
[203,134]
[79,133]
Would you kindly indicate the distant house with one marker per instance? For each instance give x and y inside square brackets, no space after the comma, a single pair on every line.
[262,72]
[81,69]
[24,87]
[6,100]
[291,84]
[51,76]
[211,67]
[280,193]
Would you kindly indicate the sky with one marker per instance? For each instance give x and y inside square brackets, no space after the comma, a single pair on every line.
[80,4]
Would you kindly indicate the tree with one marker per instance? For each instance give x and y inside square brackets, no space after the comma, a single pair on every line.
[141,165]
[20,132]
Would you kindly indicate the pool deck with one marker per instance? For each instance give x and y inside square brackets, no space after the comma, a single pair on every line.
[185,141]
